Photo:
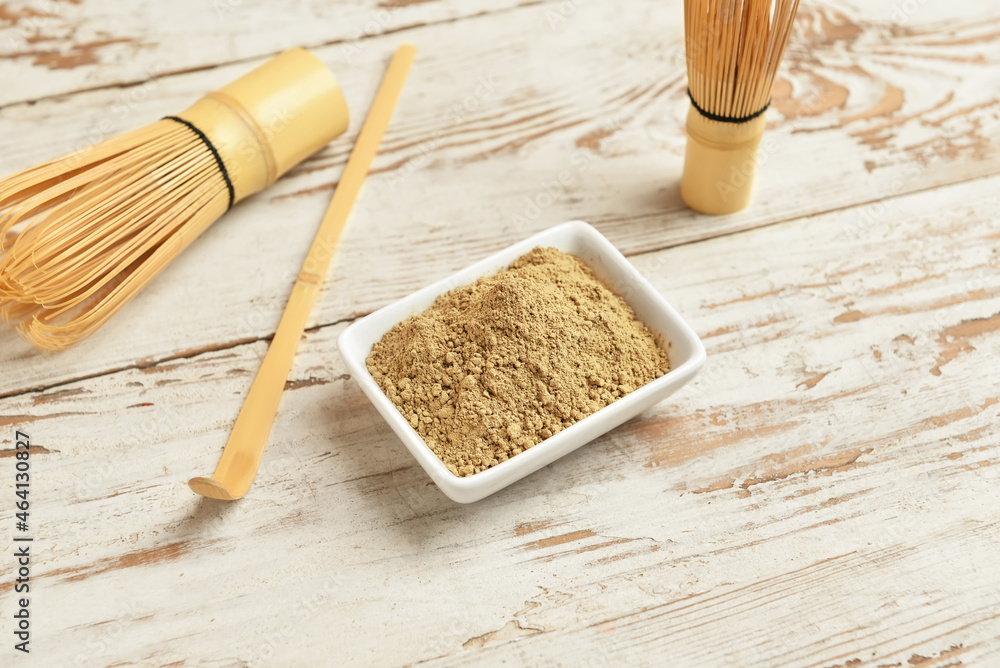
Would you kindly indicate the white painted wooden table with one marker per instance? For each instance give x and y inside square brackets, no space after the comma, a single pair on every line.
[827,492]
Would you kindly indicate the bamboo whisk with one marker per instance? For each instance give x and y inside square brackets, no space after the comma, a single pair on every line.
[734,48]
[81,235]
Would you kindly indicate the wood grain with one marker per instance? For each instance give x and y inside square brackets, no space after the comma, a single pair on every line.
[481,155]
[819,496]
[58,47]
[825,493]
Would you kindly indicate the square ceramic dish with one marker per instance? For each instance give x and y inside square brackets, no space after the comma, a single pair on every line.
[686,352]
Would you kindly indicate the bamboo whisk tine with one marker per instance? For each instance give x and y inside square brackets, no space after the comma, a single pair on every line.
[734,48]
[89,243]
[81,235]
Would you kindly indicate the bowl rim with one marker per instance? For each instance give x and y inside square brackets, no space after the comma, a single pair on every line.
[415,443]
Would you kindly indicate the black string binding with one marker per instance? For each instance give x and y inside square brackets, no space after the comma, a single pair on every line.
[215,154]
[727,119]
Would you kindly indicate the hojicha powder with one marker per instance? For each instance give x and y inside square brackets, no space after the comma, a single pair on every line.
[494,368]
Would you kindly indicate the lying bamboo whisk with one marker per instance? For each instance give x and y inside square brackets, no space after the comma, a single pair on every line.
[91,229]
[734,48]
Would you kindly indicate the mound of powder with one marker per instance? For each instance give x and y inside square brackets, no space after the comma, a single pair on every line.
[494,368]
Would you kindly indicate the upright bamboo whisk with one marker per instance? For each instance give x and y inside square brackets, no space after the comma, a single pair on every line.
[734,48]
[81,235]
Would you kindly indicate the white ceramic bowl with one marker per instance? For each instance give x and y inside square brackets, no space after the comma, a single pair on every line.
[686,352]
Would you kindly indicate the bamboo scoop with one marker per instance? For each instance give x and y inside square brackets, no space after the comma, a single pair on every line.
[241,458]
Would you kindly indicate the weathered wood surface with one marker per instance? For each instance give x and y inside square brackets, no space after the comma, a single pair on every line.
[826,492]
[864,111]
[55,47]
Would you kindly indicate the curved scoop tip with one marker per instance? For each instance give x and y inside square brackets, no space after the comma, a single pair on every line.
[212,489]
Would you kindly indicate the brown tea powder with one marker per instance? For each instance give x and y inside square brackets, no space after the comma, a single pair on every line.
[494,368]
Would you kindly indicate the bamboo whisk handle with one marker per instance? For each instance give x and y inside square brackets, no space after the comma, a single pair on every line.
[271,119]
[720,163]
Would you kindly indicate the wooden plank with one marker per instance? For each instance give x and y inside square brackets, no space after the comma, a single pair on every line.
[474,158]
[54,47]
[825,493]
